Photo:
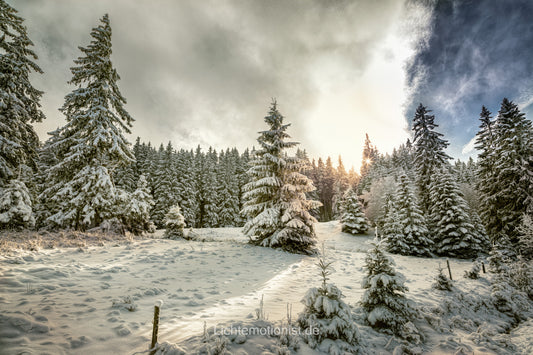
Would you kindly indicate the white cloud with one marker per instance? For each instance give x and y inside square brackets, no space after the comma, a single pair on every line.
[469,147]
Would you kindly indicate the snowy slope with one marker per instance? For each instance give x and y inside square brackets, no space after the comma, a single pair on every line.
[61,301]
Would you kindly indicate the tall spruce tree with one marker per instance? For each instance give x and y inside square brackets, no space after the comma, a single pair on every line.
[91,145]
[385,214]
[185,187]
[429,153]
[47,158]
[227,192]
[298,225]
[406,228]
[243,179]
[124,177]
[209,189]
[19,108]
[328,192]
[454,232]
[19,100]
[485,174]
[276,205]
[341,186]
[164,182]
[507,191]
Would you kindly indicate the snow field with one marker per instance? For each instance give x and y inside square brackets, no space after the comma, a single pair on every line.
[101,300]
[58,301]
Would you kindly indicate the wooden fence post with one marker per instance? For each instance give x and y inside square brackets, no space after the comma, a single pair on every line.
[156,326]
[449,270]
[483,266]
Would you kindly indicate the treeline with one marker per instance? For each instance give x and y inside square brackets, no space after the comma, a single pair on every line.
[86,173]
[206,185]
[209,185]
[422,204]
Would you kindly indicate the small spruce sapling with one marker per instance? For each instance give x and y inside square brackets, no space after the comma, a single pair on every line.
[497,261]
[326,320]
[473,273]
[353,219]
[174,222]
[442,282]
[260,312]
[384,300]
[506,298]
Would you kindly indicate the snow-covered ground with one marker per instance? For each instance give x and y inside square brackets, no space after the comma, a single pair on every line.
[71,301]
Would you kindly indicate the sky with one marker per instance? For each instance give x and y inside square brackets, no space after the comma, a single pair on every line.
[205,72]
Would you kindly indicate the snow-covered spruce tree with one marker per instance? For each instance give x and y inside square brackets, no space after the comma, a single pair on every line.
[326,320]
[19,100]
[442,282]
[242,179]
[353,219]
[384,300]
[522,276]
[512,158]
[19,108]
[187,187]
[342,185]
[205,166]
[501,288]
[525,243]
[48,157]
[485,173]
[164,182]
[454,233]
[429,153]
[174,222]
[91,144]
[136,213]
[276,206]
[326,188]
[297,234]
[370,156]
[402,160]
[498,262]
[507,296]
[473,273]
[407,233]
[228,190]
[124,177]
[376,200]
[15,206]
[208,191]
[386,218]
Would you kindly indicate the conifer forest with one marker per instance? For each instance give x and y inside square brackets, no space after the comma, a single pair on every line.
[282,244]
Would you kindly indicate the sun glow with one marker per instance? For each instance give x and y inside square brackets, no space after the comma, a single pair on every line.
[352,103]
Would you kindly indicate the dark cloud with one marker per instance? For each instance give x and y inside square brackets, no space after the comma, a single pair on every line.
[205,71]
[476,53]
